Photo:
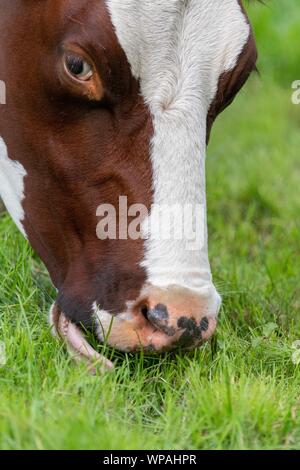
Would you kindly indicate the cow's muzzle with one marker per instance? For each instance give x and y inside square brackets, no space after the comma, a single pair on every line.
[161,319]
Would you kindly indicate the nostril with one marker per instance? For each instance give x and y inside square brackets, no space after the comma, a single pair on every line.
[159,317]
[158,314]
[145,311]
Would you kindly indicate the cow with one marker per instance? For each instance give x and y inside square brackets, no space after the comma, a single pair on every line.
[110,98]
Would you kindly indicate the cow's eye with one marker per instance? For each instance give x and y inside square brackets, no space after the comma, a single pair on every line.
[78,67]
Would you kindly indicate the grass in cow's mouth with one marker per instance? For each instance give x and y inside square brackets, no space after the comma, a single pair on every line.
[242,389]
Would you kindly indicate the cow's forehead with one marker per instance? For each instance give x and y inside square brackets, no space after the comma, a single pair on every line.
[180,38]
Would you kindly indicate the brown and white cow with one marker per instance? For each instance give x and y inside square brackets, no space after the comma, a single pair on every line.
[109,98]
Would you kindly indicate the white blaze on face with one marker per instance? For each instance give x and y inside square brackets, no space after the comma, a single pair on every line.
[178,49]
[12,176]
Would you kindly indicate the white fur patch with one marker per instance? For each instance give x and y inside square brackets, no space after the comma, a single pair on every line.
[12,176]
[104,321]
[51,320]
[178,49]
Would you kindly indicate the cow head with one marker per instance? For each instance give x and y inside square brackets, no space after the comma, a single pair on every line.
[116,98]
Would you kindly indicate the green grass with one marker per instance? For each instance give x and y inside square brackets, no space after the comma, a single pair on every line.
[241,391]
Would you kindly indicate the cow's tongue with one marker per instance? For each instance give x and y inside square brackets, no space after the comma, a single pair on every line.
[78,346]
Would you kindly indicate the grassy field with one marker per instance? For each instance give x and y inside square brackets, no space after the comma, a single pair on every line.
[241,391]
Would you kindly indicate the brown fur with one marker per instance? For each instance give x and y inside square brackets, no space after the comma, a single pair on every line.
[77,154]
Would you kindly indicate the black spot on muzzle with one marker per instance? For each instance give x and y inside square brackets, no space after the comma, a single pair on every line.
[192,333]
[159,317]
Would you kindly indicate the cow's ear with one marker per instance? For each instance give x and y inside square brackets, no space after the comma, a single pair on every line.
[231,82]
